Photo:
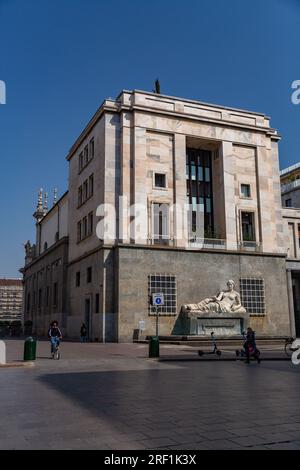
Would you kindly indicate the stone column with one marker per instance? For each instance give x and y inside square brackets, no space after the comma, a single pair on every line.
[180,197]
[139,188]
[229,195]
[291,302]
[267,203]
[125,176]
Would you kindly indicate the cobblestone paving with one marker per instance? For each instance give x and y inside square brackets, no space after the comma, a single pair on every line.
[113,397]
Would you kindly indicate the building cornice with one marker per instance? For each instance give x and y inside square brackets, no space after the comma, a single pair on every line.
[117,106]
[62,241]
[186,100]
[193,250]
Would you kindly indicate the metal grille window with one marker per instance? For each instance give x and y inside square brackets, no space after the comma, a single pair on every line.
[253,295]
[165,283]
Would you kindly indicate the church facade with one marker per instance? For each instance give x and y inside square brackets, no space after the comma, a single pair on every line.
[165,195]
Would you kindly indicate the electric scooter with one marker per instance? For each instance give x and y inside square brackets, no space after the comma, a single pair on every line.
[215,349]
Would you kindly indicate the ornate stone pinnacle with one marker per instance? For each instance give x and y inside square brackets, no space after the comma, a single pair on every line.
[54,196]
[46,202]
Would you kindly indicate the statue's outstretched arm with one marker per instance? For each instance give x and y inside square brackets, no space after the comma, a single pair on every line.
[219,297]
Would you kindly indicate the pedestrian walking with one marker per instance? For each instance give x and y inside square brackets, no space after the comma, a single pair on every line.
[83,333]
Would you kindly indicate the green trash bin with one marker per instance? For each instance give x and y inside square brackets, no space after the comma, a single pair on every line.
[154,346]
[30,349]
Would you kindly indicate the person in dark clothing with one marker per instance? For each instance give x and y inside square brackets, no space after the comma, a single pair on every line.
[55,335]
[250,346]
[83,333]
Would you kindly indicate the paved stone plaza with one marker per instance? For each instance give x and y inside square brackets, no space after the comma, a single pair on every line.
[113,397]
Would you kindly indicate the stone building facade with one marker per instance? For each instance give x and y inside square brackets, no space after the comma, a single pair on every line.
[290,186]
[163,164]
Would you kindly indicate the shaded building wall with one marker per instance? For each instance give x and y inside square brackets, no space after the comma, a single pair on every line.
[100,319]
[294,196]
[199,275]
[40,276]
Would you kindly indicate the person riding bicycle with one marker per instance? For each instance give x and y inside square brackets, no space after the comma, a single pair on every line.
[250,345]
[55,335]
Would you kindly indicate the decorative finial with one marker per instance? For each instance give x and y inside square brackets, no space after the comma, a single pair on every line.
[39,213]
[54,196]
[40,199]
[46,202]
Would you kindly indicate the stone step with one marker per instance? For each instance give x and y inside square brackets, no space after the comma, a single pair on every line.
[221,341]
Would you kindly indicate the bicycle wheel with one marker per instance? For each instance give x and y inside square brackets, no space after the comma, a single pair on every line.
[288,348]
[57,354]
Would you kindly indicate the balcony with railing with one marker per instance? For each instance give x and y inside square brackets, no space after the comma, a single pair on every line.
[286,188]
[250,246]
[198,243]
[208,243]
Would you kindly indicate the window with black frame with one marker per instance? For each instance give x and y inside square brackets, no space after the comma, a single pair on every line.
[248,227]
[199,190]
[166,284]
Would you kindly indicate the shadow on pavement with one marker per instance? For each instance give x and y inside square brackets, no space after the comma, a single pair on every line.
[191,394]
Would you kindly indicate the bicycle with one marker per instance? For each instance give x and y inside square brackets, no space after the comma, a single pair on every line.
[55,352]
[249,350]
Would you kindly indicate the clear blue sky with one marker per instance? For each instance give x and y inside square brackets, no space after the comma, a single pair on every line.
[61,58]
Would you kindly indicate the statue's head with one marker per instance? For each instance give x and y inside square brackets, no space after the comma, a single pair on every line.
[230,284]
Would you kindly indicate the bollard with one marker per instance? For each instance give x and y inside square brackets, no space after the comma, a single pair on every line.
[154,346]
[2,352]
[30,349]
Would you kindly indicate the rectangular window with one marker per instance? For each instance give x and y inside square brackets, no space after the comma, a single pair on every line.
[245,190]
[78,279]
[80,161]
[89,275]
[79,231]
[79,196]
[40,299]
[85,190]
[299,235]
[47,295]
[248,232]
[92,148]
[160,180]
[86,154]
[84,223]
[97,304]
[91,185]
[90,223]
[55,294]
[288,203]
[165,283]
[199,190]
[160,223]
[253,295]
[34,300]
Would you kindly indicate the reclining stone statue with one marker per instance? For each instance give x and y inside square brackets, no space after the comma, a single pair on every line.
[226,302]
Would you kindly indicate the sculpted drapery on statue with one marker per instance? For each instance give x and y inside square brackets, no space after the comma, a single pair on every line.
[227,301]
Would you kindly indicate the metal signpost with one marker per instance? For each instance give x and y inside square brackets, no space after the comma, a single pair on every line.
[157,301]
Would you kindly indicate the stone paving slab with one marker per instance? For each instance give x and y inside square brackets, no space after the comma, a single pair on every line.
[113,397]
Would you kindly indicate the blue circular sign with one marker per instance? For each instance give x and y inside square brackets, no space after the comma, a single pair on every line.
[158,300]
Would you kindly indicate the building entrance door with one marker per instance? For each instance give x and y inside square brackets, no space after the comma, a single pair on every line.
[88,317]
